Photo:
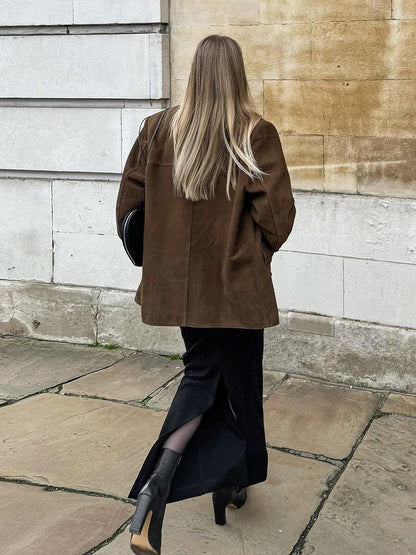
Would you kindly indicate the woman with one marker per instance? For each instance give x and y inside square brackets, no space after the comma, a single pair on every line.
[218,205]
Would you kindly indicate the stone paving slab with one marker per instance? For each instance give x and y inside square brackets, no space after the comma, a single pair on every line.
[35,521]
[133,378]
[98,446]
[270,380]
[316,417]
[372,508]
[274,516]
[30,365]
[163,398]
[402,404]
[76,442]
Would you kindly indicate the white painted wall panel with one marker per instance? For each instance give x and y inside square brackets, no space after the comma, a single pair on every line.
[159,66]
[60,139]
[84,206]
[25,229]
[82,12]
[127,66]
[381,292]
[35,12]
[121,11]
[84,66]
[94,260]
[131,118]
[88,250]
[355,226]
[308,282]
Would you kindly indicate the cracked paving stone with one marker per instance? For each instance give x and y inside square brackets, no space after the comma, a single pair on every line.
[372,508]
[315,417]
[133,378]
[270,379]
[163,398]
[273,517]
[76,442]
[30,365]
[402,404]
[35,521]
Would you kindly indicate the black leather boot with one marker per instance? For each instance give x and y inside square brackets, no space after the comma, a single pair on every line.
[231,496]
[146,525]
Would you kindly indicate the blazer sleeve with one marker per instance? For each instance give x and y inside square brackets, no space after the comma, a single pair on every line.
[272,205]
[131,191]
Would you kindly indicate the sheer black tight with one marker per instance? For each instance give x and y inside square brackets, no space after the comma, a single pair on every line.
[179,439]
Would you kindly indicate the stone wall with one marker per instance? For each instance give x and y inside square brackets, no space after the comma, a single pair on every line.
[336,78]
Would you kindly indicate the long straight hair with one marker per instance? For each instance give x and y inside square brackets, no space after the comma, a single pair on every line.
[211,128]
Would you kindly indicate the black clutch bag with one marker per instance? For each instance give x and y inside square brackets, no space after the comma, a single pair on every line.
[132,227]
[132,230]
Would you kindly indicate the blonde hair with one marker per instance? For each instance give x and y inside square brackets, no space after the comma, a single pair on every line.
[212,126]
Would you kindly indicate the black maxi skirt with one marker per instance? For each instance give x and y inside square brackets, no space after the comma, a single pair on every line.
[223,379]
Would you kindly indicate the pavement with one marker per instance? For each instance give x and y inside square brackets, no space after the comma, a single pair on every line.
[77,422]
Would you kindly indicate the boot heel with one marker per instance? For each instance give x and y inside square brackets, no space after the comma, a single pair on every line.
[146,524]
[219,503]
[144,503]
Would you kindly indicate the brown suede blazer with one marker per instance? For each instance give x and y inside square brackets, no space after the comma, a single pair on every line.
[207,263]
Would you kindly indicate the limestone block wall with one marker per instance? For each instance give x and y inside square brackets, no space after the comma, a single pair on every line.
[338,81]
